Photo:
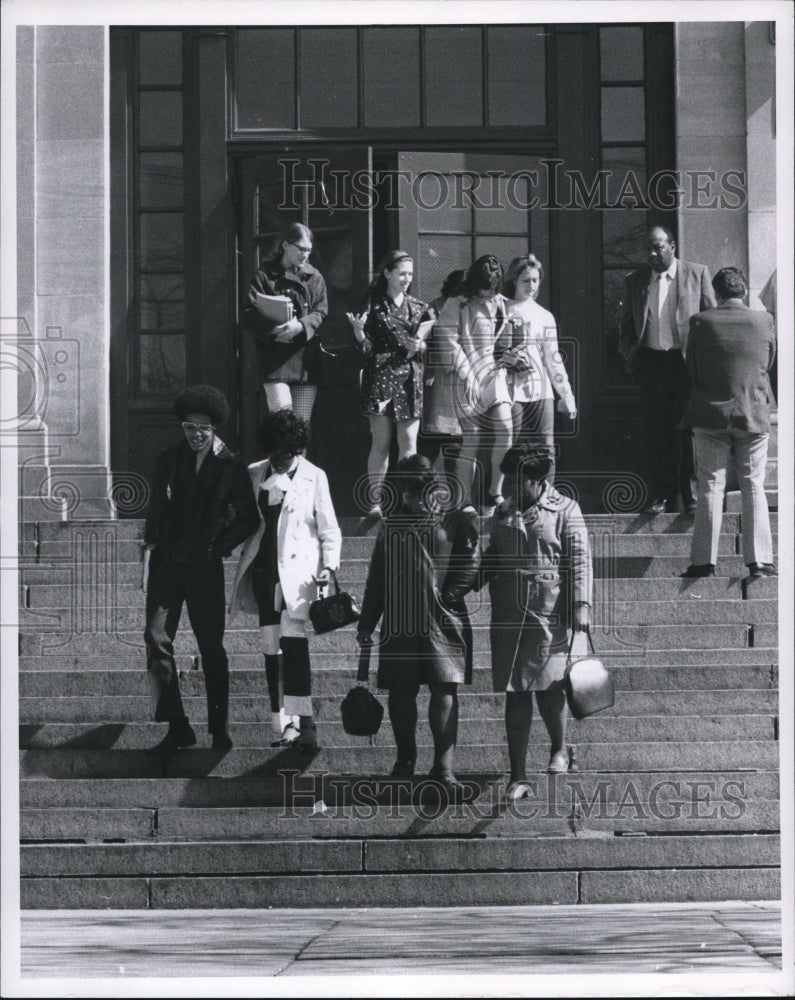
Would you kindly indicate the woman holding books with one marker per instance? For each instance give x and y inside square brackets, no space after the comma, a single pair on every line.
[286,355]
[388,334]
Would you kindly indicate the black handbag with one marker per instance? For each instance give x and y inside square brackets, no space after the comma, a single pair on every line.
[362,712]
[335,611]
[588,684]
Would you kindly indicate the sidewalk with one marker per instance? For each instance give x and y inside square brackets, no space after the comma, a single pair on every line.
[733,945]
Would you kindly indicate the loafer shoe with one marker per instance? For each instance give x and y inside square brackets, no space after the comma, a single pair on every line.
[222,741]
[518,790]
[177,737]
[307,740]
[558,763]
[289,735]
[695,571]
[762,569]
[656,507]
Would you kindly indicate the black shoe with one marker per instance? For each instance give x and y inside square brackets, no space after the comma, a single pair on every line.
[307,739]
[762,569]
[656,507]
[403,769]
[222,741]
[179,734]
[707,569]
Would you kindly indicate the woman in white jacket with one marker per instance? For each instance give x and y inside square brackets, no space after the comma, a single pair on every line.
[295,548]
[539,373]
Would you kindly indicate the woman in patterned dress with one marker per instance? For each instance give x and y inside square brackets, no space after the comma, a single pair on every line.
[391,389]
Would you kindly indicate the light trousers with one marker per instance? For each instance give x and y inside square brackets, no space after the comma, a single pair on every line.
[715,449]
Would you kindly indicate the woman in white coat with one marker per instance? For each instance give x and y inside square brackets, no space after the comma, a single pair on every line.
[295,547]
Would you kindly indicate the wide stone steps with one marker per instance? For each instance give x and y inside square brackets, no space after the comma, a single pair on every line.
[674,797]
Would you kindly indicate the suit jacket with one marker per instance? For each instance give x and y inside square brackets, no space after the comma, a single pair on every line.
[729,353]
[693,294]
[308,538]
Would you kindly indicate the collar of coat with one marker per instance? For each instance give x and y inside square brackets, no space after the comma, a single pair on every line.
[304,475]
[550,500]
[274,269]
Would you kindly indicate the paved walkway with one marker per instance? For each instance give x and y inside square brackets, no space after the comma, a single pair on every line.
[736,945]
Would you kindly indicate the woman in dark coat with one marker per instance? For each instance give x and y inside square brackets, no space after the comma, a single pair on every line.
[386,333]
[286,352]
[538,566]
[424,562]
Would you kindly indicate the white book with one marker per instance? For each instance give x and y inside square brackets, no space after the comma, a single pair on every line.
[276,308]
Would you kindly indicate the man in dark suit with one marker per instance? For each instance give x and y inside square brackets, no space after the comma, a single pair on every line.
[657,303]
[730,351]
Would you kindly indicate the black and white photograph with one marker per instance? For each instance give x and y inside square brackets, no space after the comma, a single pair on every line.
[396,454]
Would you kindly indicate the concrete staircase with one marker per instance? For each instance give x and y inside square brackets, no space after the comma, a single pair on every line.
[672,795]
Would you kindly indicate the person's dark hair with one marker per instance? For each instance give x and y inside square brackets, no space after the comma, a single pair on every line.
[414,473]
[661,229]
[388,262]
[202,399]
[283,429]
[454,284]
[485,273]
[530,460]
[515,268]
[730,283]
[294,233]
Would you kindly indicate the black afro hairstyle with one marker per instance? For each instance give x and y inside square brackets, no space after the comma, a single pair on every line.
[202,399]
[414,473]
[532,460]
[283,429]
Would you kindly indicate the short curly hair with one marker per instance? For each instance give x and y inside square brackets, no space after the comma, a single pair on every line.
[414,473]
[531,460]
[202,399]
[283,429]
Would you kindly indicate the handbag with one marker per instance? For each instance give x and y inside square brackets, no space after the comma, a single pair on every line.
[334,611]
[362,712]
[588,684]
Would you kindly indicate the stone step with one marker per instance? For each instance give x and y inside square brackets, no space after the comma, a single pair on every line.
[45,588]
[633,523]
[196,763]
[676,728]
[671,805]
[256,707]
[329,681]
[501,888]
[516,854]
[628,640]
[132,656]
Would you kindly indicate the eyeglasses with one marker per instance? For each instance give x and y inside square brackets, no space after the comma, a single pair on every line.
[300,247]
[201,428]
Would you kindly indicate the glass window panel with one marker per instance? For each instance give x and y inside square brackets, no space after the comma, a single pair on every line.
[626,170]
[162,364]
[517,75]
[505,201]
[453,76]
[438,256]
[623,231]
[162,240]
[623,114]
[621,53]
[265,78]
[329,78]
[162,302]
[160,58]
[160,180]
[439,201]
[160,118]
[612,285]
[391,76]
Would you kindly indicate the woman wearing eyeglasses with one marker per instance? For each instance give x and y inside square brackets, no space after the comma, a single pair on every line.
[286,356]
[538,372]
[202,506]
[387,334]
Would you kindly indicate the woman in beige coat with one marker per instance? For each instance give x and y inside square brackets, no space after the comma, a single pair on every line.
[296,547]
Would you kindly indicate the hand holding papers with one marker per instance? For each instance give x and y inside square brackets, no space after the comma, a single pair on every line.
[276,308]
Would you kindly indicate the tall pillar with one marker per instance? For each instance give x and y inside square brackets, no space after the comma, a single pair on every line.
[62,327]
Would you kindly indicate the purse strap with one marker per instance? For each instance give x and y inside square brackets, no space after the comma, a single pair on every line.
[334,580]
[571,643]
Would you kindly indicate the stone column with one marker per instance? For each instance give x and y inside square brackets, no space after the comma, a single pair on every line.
[63,328]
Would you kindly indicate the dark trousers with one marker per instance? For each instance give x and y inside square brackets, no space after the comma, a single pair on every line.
[664,392]
[200,586]
[534,423]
